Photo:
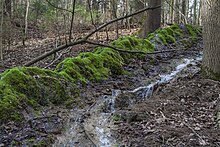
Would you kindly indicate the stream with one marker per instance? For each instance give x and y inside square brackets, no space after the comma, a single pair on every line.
[92,126]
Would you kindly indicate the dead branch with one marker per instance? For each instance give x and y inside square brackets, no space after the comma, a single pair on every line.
[83,40]
[60,55]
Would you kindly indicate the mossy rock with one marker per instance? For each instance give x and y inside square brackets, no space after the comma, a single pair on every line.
[91,66]
[22,87]
[194,31]
[135,44]
[166,35]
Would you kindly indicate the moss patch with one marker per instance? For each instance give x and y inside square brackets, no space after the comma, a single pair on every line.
[194,31]
[35,87]
[134,44]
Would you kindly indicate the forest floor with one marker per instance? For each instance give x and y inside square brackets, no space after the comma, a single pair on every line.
[181,112]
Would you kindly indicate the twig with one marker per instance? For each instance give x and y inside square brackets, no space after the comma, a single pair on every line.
[61,54]
[194,132]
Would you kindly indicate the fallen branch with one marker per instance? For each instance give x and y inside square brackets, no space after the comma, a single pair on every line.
[83,40]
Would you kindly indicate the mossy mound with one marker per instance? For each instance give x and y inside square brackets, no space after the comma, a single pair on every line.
[133,43]
[194,31]
[166,35]
[170,34]
[22,87]
[97,65]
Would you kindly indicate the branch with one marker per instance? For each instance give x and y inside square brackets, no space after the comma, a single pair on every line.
[83,40]
[121,18]
[53,51]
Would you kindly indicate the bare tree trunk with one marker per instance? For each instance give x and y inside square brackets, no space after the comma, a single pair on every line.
[177,14]
[199,13]
[1,37]
[153,19]
[183,10]
[172,11]
[26,22]
[114,13]
[72,18]
[211,35]
[194,12]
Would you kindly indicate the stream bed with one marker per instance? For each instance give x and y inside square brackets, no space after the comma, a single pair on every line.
[92,126]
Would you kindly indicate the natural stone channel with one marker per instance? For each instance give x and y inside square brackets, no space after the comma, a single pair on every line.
[92,126]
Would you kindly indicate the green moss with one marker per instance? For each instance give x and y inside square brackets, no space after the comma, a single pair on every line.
[112,60]
[85,67]
[176,30]
[193,31]
[20,87]
[166,35]
[135,44]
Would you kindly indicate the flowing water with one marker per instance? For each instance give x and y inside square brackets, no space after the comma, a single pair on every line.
[95,129]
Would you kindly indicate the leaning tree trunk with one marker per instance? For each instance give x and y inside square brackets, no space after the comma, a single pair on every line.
[211,35]
[152,20]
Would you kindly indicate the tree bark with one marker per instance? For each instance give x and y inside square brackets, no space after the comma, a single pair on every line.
[72,19]
[183,9]
[211,35]
[194,12]
[153,19]
[1,37]
[26,21]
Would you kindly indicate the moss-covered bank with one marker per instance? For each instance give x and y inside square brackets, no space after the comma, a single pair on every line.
[31,86]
